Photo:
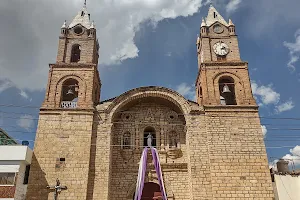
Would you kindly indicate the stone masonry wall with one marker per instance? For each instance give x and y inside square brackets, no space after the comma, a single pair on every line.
[210,76]
[125,162]
[62,150]
[199,158]
[102,159]
[238,162]
[85,76]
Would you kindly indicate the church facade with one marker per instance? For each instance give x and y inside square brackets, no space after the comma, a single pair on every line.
[90,150]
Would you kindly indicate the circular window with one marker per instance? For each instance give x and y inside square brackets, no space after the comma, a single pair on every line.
[126,116]
[171,116]
[218,28]
[78,30]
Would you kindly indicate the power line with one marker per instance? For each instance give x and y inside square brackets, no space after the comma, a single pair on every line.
[261,117]
[205,115]
[32,141]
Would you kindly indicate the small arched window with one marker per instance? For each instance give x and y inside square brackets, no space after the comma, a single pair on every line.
[70,89]
[200,91]
[221,58]
[149,132]
[75,54]
[227,91]
[126,140]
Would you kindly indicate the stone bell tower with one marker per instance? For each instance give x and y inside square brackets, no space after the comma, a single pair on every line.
[237,155]
[65,129]
[77,60]
[223,77]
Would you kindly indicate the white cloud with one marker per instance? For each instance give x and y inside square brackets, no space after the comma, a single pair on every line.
[232,6]
[293,158]
[294,155]
[33,39]
[26,122]
[264,130]
[273,165]
[187,91]
[295,150]
[4,85]
[169,54]
[294,49]
[285,106]
[24,95]
[265,94]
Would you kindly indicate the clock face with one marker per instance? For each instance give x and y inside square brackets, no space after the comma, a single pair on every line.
[221,49]
[218,28]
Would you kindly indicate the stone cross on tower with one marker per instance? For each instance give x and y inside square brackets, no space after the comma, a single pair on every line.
[57,188]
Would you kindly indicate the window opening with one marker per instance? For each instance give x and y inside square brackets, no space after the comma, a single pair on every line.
[215,15]
[26,176]
[200,91]
[75,54]
[221,58]
[227,91]
[70,90]
[7,178]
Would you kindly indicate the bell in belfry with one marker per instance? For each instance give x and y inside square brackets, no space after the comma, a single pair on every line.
[70,91]
[226,89]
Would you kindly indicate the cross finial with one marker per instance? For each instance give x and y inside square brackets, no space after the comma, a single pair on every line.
[57,188]
[85,2]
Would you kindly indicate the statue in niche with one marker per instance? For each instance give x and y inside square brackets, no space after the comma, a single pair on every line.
[149,140]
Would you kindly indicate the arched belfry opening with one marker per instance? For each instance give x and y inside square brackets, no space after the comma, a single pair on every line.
[75,53]
[149,131]
[69,97]
[227,91]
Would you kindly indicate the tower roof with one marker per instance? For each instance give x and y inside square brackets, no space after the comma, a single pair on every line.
[64,25]
[230,23]
[203,23]
[214,16]
[83,18]
[5,139]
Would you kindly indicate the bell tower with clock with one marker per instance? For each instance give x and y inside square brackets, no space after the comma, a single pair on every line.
[223,77]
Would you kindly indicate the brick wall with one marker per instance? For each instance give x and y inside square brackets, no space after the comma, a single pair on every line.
[7,191]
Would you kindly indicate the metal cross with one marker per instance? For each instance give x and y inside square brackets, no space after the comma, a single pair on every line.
[57,188]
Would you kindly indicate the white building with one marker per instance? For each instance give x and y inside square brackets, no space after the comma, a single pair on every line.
[286,183]
[15,161]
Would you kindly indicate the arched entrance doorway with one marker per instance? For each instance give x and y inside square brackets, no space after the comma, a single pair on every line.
[151,191]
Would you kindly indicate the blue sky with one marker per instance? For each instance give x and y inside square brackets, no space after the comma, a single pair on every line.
[149,42]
